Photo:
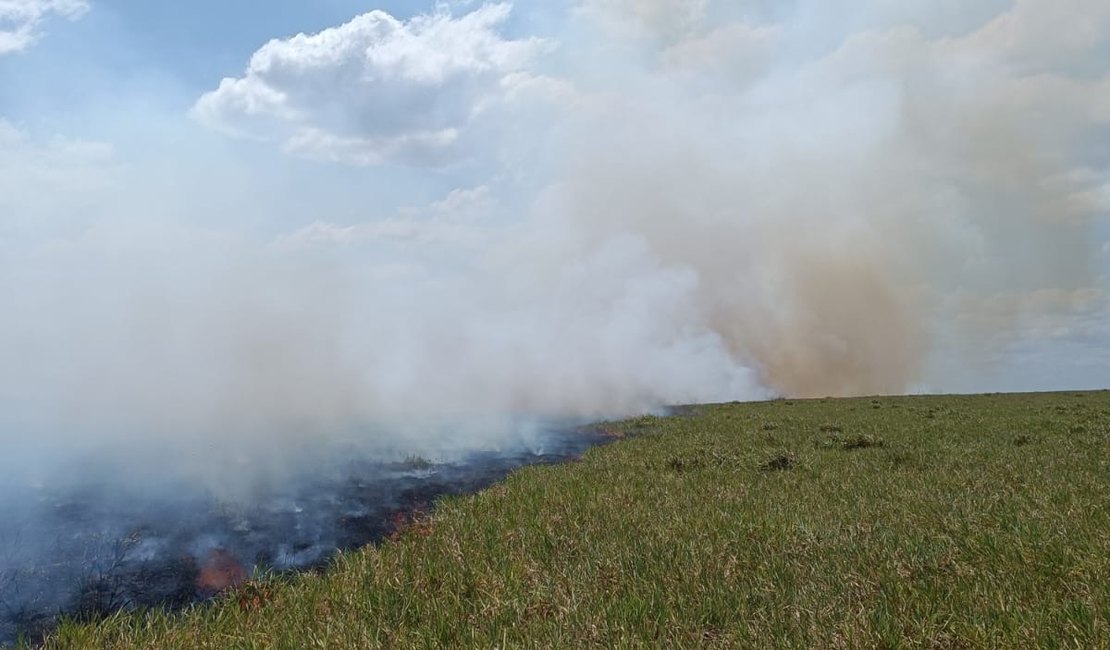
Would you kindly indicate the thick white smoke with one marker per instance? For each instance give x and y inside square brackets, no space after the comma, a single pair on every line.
[689,201]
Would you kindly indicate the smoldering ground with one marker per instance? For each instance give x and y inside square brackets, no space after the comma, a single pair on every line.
[714,203]
[91,547]
[659,202]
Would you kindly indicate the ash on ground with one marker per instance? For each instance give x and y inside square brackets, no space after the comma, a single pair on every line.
[92,550]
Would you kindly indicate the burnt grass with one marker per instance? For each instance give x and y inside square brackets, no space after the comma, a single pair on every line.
[100,550]
[927,522]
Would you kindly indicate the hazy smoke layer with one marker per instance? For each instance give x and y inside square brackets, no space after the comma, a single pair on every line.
[829,189]
[691,202]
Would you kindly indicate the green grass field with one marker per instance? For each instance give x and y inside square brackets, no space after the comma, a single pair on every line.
[917,522]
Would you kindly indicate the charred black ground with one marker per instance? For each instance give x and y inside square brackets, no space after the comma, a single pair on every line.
[95,549]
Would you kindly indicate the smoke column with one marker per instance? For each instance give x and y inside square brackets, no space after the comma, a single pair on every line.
[216,356]
[693,201]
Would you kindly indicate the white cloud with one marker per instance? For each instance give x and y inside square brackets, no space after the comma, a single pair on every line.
[425,147]
[521,87]
[20,20]
[374,89]
[713,196]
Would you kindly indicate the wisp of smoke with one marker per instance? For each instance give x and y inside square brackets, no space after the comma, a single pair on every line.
[704,201]
[688,201]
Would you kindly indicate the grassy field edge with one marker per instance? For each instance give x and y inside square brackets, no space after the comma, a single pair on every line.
[932,521]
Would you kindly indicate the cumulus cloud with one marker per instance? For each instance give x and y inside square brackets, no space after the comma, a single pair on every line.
[20,20]
[754,203]
[374,89]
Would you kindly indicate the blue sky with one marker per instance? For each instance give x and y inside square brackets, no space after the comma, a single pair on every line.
[160,55]
[123,43]
[589,207]
[127,73]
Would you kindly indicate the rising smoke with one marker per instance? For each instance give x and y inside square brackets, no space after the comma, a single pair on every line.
[662,202]
[691,201]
